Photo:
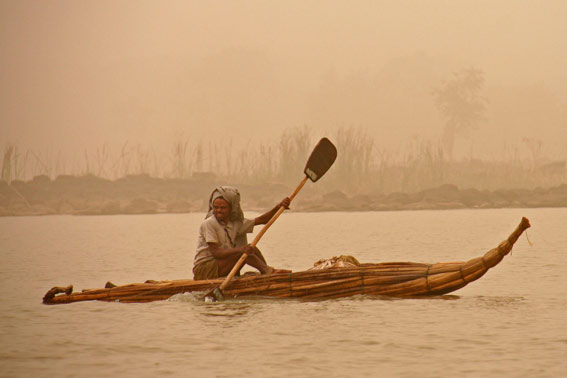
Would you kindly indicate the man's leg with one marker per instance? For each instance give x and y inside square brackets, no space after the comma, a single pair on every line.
[259,254]
[270,269]
[226,265]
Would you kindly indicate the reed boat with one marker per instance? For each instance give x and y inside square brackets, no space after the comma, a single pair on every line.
[396,279]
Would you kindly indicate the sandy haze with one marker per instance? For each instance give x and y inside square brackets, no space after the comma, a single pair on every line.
[79,75]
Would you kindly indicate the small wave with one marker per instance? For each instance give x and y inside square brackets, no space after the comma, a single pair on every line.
[189,297]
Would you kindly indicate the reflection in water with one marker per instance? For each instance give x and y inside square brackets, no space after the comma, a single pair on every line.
[496,302]
[230,308]
[446,297]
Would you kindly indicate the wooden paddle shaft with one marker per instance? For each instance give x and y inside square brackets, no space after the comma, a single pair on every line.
[240,262]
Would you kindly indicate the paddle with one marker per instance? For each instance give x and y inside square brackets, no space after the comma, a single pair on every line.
[319,162]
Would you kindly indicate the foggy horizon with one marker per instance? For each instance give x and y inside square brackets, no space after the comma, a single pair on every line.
[77,76]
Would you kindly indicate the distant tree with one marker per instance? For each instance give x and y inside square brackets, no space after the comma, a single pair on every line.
[460,103]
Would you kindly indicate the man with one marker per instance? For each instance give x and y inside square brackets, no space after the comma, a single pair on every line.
[222,236]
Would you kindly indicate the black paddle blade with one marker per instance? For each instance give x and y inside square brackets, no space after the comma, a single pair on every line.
[321,159]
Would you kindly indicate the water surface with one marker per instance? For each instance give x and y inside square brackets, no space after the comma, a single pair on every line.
[510,323]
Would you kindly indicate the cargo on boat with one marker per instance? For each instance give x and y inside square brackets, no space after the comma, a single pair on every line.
[397,279]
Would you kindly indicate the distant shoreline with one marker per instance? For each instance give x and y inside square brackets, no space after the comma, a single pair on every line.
[142,194]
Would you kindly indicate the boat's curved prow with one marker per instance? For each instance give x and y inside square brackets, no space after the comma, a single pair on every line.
[475,268]
[494,256]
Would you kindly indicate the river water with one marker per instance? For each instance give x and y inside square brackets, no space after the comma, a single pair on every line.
[510,323]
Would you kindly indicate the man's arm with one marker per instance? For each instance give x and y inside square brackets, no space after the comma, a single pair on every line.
[265,218]
[220,253]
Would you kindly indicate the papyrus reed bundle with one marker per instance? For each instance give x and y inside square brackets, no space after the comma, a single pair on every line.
[400,279]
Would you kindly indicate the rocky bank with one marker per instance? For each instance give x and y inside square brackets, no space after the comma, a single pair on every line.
[141,194]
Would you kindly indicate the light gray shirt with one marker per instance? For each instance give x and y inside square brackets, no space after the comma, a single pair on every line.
[231,235]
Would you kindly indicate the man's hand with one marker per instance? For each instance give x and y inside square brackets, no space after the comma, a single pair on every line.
[265,218]
[249,250]
[285,203]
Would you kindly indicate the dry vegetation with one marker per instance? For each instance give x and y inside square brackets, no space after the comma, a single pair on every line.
[365,176]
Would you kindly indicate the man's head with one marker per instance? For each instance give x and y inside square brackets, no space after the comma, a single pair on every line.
[221,210]
[232,197]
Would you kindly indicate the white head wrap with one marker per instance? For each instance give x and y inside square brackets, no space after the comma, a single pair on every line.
[231,195]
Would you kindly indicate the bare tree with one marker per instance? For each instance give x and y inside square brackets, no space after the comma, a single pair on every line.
[460,103]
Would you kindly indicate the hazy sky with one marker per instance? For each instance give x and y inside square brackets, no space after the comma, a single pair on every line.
[80,74]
